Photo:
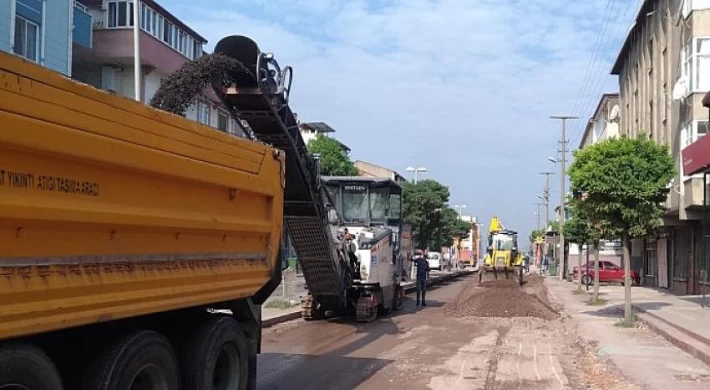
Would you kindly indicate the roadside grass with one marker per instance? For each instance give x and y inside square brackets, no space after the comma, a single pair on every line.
[598,302]
[278,303]
[626,324]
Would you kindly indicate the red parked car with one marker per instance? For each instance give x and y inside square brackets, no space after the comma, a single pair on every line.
[608,272]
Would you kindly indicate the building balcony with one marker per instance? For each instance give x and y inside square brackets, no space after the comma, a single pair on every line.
[115,47]
[693,192]
[83,26]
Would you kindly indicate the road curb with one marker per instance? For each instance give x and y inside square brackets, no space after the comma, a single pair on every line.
[682,338]
[269,322]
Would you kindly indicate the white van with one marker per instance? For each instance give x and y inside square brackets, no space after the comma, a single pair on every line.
[435,261]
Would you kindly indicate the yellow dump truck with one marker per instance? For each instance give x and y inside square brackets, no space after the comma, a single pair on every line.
[126,234]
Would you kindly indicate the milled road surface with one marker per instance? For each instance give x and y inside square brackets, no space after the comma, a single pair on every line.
[441,346]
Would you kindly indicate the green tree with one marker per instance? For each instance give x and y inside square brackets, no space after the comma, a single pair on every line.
[450,228]
[333,160]
[577,231]
[425,210]
[535,234]
[622,184]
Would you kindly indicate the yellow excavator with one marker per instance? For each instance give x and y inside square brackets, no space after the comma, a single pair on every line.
[503,255]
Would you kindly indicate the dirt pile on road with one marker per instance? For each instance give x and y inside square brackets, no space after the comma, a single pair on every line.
[503,298]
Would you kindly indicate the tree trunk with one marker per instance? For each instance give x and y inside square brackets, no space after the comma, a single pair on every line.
[579,270]
[628,314]
[596,272]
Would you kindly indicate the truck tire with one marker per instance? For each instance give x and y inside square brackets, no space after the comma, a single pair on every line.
[24,366]
[143,359]
[216,357]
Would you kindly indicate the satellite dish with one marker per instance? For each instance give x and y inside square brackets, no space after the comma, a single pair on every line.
[680,88]
[614,114]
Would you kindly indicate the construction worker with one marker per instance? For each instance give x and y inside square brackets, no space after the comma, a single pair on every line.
[422,275]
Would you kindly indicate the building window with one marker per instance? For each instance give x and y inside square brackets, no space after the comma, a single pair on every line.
[233,127]
[167,32]
[26,39]
[222,121]
[120,14]
[158,26]
[692,132]
[203,113]
[197,50]
[696,64]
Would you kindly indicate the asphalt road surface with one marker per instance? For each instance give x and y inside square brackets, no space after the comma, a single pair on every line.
[441,346]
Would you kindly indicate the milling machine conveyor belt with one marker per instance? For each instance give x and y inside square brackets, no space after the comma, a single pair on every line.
[271,120]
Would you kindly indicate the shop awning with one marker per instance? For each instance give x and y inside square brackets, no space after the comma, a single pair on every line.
[696,157]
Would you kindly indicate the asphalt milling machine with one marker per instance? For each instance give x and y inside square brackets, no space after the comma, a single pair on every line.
[345,230]
[503,257]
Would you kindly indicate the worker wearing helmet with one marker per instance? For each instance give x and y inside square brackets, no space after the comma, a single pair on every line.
[422,276]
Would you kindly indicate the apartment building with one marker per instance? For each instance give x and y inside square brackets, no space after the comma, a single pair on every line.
[604,123]
[664,70]
[40,31]
[311,130]
[469,247]
[166,43]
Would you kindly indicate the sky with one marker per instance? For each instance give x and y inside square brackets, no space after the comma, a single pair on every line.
[463,88]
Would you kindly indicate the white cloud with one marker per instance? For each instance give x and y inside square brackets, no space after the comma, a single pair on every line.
[463,87]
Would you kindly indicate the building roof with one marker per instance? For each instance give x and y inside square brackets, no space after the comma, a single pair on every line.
[638,22]
[359,163]
[605,97]
[362,179]
[317,127]
[159,8]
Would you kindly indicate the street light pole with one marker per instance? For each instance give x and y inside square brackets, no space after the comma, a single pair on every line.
[416,172]
[459,207]
[563,155]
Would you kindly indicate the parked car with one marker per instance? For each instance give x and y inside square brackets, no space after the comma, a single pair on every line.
[435,261]
[608,272]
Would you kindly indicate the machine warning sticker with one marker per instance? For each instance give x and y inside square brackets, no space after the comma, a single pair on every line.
[47,183]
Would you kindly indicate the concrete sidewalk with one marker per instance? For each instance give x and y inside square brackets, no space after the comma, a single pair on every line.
[271,317]
[682,320]
[640,354]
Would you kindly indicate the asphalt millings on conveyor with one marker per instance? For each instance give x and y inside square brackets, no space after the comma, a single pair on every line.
[503,298]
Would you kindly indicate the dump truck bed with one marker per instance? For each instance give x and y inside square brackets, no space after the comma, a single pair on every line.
[111,209]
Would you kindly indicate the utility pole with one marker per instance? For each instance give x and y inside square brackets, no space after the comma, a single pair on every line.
[563,154]
[538,214]
[546,197]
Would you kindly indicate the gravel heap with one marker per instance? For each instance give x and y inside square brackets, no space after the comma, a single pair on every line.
[502,298]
